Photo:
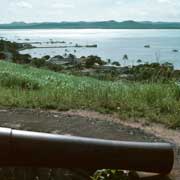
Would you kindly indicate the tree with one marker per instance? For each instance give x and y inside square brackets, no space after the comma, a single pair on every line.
[72,58]
[158,56]
[46,57]
[38,62]
[125,58]
[90,61]
[109,61]
[116,63]
[139,61]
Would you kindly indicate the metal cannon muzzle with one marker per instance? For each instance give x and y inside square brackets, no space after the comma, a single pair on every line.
[31,149]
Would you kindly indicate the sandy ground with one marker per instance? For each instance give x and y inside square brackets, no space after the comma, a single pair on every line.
[91,124]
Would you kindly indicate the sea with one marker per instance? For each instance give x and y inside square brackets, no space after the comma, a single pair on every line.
[146,45]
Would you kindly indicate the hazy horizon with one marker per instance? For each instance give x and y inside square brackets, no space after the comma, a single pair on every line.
[90,10]
[89,21]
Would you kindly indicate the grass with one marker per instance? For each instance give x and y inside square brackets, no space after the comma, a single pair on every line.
[24,86]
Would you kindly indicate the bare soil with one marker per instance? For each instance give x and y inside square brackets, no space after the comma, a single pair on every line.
[86,124]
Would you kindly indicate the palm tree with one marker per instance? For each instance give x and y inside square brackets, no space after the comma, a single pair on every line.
[125,58]
[109,61]
[158,56]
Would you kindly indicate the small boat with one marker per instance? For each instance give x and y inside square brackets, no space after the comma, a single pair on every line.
[147,46]
[175,50]
[78,46]
[92,46]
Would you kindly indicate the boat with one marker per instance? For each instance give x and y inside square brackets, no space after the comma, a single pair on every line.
[92,46]
[147,46]
[175,50]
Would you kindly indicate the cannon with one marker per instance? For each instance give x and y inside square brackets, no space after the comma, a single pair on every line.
[33,149]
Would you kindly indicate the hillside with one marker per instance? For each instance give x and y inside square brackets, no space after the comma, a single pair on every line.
[26,87]
[93,25]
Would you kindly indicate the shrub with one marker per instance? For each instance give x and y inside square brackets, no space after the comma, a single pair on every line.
[54,67]
[21,58]
[116,63]
[152,72]
[110,175]
[46,57]
[38,62]
[90,61]
[15,81]
[2,56]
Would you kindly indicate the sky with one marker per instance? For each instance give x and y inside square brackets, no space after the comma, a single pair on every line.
[88,10]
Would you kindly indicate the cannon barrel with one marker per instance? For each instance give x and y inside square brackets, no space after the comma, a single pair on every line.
[32,149]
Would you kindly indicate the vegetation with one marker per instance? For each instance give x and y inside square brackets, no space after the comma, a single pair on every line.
[11,46]
[146,91]
[24,86]
[116,63]
[11,80]
[90,61]
[110,175]
[9,50]
[70,64]
[153,72]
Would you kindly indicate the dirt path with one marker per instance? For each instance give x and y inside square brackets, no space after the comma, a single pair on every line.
[89,124]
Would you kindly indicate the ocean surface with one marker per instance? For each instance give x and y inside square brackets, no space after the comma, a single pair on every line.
[112,44]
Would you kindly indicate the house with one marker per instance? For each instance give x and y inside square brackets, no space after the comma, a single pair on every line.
[60,60]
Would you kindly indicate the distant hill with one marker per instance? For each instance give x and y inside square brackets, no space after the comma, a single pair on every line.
[93,25]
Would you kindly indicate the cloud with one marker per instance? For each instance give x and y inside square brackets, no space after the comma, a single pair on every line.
[169,2]
[89,10]
[65,5]
[164,1]
[22,4]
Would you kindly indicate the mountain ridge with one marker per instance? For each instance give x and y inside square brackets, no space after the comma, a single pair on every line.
[129,24]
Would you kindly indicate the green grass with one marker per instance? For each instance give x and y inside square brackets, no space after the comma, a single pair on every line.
[24,86]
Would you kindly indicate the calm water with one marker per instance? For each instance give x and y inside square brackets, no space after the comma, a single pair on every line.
[112,44]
